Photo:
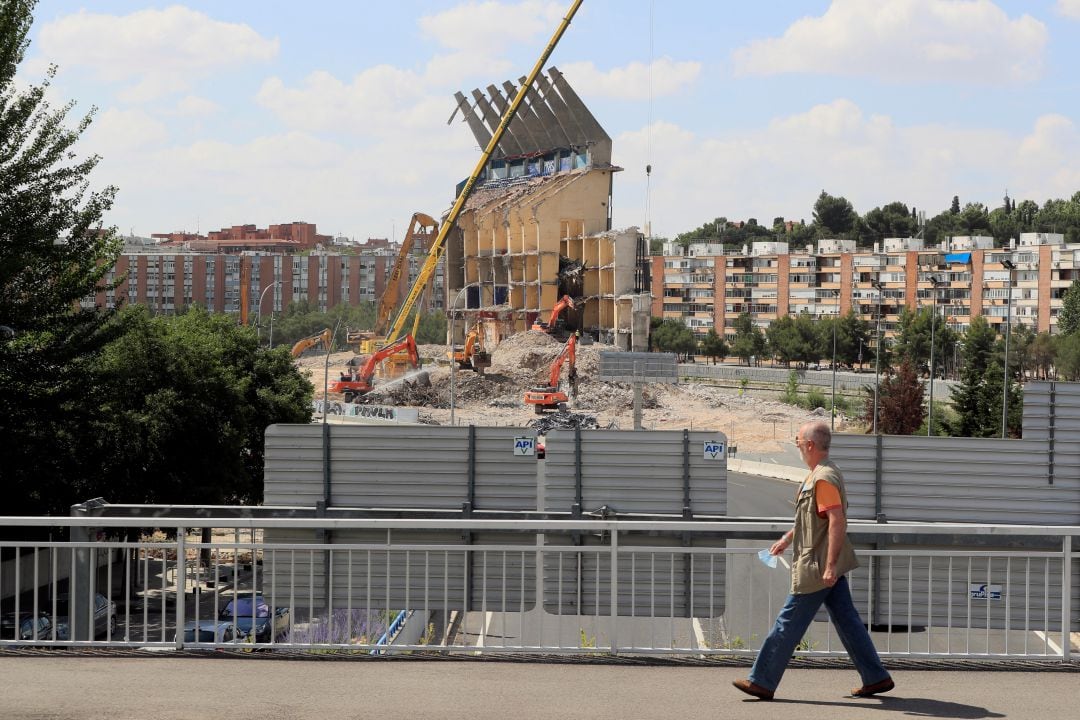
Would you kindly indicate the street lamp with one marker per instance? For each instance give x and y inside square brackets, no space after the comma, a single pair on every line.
[836,321]
[1010,266]
[935,281]
[453,360]
[258,311]
[876,284]
[326,373]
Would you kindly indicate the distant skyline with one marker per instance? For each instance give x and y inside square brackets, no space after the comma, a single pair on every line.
[212,114]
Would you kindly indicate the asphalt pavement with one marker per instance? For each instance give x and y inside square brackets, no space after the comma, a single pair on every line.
[167,688]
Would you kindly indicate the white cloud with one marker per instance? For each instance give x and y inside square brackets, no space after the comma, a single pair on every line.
[492,25]
[380,99]
[905,41]
[194,106]
[781,168]
[632,82]
[1069,8]
[121,131]
[161,50]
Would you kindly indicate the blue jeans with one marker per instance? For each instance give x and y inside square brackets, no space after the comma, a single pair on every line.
[792,623]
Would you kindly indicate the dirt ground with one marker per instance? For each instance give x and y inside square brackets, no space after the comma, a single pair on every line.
[523,361]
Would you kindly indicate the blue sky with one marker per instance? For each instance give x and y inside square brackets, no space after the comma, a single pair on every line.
[218,113]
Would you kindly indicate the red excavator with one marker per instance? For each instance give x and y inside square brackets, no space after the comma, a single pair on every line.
[550,326]
[356,382]
[550,397]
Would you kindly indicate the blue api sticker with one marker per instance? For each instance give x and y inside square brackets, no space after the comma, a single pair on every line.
[524,445]
[714,450]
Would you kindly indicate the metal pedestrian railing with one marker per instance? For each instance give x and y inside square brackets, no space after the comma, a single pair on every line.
[614,587]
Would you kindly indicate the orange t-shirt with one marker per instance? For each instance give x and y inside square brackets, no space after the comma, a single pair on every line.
[827,497]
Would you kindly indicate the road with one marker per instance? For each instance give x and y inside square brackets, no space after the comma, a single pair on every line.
[175,688]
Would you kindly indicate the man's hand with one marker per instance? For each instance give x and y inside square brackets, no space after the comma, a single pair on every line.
[829,576]
[780,545]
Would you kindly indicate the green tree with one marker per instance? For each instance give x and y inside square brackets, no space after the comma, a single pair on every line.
[749,339]
[900,402]
[53,253]
[1067,357]
[974,219]
[972,399]
[954,209]
[432,328]
[185,402]
[1042,356]
[892,220]
[1069,318]
[673,336]
[784,342]
[834,216]
[852,339]
[713,346]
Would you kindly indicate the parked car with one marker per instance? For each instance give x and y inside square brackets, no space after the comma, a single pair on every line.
[104,616]
[253,615]
[212,631]
[25,622]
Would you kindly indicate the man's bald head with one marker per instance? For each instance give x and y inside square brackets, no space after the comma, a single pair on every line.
[818,432]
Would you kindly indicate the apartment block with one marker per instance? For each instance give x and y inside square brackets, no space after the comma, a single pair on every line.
[962,277]
[167,282]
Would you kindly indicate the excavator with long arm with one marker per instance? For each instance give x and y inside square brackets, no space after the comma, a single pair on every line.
[360,382]
[368,341]
[550,397]
[551,325]
[324,338]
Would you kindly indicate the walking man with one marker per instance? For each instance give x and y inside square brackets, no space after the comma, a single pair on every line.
[821,556]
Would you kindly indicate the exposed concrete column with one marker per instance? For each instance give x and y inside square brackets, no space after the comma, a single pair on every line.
[483,137]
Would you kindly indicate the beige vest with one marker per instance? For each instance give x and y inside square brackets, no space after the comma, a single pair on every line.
[810,543]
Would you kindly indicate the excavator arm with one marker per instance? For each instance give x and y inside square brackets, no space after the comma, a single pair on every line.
[420,224]
[307,343]
[406,343]
[551,397]
[549,327]
[361,382]
[568,355]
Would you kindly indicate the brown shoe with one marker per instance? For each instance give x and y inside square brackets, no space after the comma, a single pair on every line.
[751,689]
[879,687]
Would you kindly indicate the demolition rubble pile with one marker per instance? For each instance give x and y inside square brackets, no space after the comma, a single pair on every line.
[523,361]
[563,420]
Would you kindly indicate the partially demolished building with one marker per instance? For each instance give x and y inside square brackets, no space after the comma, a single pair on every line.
[538,224]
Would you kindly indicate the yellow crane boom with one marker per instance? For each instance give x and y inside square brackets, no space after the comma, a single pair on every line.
[435,253]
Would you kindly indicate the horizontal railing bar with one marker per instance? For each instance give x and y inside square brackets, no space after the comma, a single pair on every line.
[711,526]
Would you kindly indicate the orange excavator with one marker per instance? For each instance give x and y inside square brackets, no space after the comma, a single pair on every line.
[323,338]
[356,382]
[550,326]
[550,397]
[473,356]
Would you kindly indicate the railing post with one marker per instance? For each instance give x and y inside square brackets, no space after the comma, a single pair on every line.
[1066,597]
[181,585]
[615,591]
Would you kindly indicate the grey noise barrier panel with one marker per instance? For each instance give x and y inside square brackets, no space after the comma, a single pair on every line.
[593,473]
